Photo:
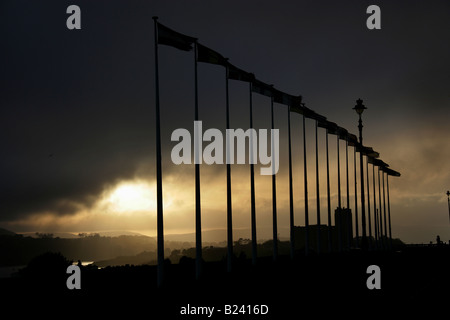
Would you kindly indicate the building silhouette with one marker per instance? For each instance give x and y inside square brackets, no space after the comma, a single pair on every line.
[341,233]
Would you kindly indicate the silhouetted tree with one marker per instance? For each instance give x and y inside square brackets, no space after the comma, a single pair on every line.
[47,271]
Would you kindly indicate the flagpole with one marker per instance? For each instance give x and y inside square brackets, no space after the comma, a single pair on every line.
[380,230]
[274,191]
[328,198]
[349,222]
[159,196]
[252,183]
[368,204]
[384,211]
[380,215]
[339,220]
[389,210]
[197,151]
[229,203]
[339,172]
[306,190]
[317,190]
[291,188]
[356,198]
[377,226]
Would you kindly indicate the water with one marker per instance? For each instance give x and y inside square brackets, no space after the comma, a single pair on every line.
[7,272]
[83,263]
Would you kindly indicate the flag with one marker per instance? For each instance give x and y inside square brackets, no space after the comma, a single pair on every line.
[235,73]
[379,163]
[368,151]
[330,126]
[286,99]
[301,109]
[296,101]
[175,39]
[281,97]
[262,88]
[342,133]
[352,140]
[315,116]
[205,54]
[323,123]
[308,113]
[297,105]
[391,172]
[298,108]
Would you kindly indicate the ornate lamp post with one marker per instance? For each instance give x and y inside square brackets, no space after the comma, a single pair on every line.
[359,108]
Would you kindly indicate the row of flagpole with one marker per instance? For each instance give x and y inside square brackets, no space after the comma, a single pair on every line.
[166,36]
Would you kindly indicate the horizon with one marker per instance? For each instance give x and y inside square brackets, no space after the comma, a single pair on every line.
[183,237]
[79,127]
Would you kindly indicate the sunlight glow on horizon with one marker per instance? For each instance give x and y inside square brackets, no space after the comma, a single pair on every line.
[129,197]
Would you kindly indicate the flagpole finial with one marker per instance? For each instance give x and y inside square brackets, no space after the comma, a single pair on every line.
[155,17]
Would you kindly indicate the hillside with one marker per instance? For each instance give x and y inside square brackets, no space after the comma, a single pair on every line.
[19,250]
[4,232]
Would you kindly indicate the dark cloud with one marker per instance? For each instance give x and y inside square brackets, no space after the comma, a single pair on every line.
[78,106]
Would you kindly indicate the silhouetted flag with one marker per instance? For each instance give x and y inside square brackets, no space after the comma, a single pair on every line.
[379,163]
[330,126]
[296,101]
[175,39]
[262,88]
[342,133]
[368,151]
[169,37]
[371,160]
[281,97]
[207,55]
[235,73]
[392,172]
[352,140]
[301,109]
[315,116]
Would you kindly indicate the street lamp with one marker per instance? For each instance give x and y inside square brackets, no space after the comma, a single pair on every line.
[359,108]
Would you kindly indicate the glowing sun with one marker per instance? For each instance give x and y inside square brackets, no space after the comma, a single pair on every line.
[128,197]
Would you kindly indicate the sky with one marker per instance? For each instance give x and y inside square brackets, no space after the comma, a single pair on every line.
[77,121]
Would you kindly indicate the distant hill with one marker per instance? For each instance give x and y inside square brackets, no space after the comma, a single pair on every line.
[220,235]
[65,235]
[19,250]
[144,257]
[4,232]
[118,233]
[72,235]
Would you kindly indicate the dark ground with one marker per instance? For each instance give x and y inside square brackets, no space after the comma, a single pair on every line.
[412,280]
